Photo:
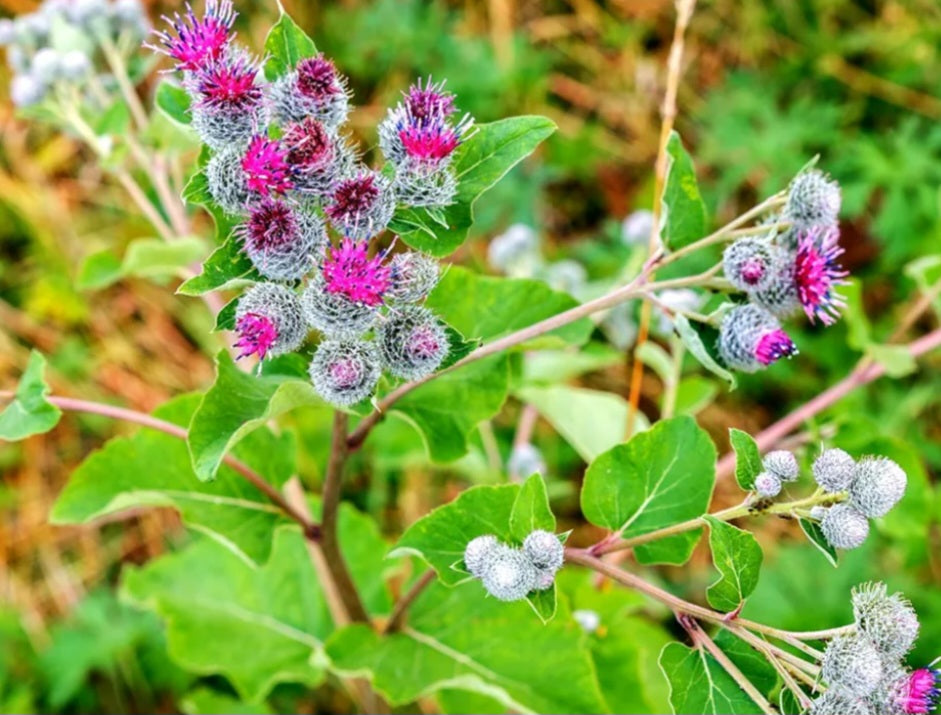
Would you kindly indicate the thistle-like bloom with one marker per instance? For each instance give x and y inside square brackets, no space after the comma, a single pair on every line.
[268,321]
[750,264]
[345,372]
[412,343]
[429,101]
[844,527]
[313,89]
[266,168]
[889,621]
[767,485]
[526,459]
[413,277]
[839,702]
[852,664]
[281,240]
[750,338]
[544,550]
[333,314]
[812,200]
[515,252]
[878,485]
[350,271]
[318,157]
[477,551]
[782,464]
[508,574]
[193,41]
[834,470]
[227,182]
[362,205]
[228,104]
[921,692]
[817,273]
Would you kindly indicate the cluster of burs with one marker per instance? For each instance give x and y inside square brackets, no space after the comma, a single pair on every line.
[793,268]
[310,210]
[57,44]
[510,574]
[865,670]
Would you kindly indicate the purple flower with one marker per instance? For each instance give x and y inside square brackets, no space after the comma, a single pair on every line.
[349,270]
[192,42]
[817,273]
[266,168]
[309,144]
[921,692]
[257,333]
[362,205]
[429,103]
[227,84]
[773,346]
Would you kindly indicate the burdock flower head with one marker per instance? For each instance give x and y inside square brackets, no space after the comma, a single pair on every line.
[348,270]
[362,205]
[817,273]
[281,240]
[921,692]
[269,321]
[313,89]
[345,372]
[266,168]
[750,339]
[412,343]
[228,103]
[194,41]
[317,155]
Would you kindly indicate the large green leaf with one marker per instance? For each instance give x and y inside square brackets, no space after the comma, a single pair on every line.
[152,468]
[285,46]
[590,420]
[684,212]
[29,413]
[531,509]
[458,639]
[737,556]
[698,684]
[145,257]
[480,162]
[697,348]
[659,478]
[173,101]
[236,404]
[748,463]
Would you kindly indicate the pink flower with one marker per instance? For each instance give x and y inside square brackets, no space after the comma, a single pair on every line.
[429,103]
[309,145]
[197,41]
[773,346]
[266,168]
[922,691]
[270,224]
[817,273]
[349,270]
[227,83]
[353,198]
[317,78]
[430,144]
[257,334]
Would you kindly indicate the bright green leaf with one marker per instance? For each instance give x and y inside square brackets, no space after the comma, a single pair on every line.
[694,393]
[698,684]
[815,536]
[737,556]
[174,102]
[145,257]
[748,464]
[285,46]
[697,348]
[896,359]
[99,270]
[531,509]
[29,413]
[227,267]
[684,211]
[204,701]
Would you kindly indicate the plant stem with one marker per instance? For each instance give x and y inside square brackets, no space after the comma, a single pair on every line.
[672,383]
[116,63]
[329,536]
[821,635]
[311,529]
[397,619]
[702,640]
[762,647]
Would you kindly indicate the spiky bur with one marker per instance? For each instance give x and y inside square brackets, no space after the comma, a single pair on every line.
[508,575]
[228,103]
[268,321]
[889,621]
[227,182]
[834,470]
[545,551]
[477,551]
[878,485]
[843,527]
[192,41]
[525,460]
[319,158]
[750,339]
[751,264]
[767,484]
[413,276]
[333,314]
[266,168]
[362,205]
[812,200]
[515,252]
[281,240]
[838,702]
[313,89]
[412,343]
[921,692]
[349,271]
[817,274]
[425,188]
[782,464]
[345,372]
[852,664]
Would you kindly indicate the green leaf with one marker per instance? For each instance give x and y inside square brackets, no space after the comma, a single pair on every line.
[674,550]
[697,348]
[815,536]
[748,463]
[99,270]
[174,102]
[459,639]
[285,46]
[479,163]
[684,212]
[204,701]
[750,661]
[227,267]
[441,536]
[698,684]
[29,413]
[531,509]
[225,318]
[153,468]
[896,359]
[590,420]
[659,478]
[554,366]
[236,404]
[145,258]
[694,394]
[737,556]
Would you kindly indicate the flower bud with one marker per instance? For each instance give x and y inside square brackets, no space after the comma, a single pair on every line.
[567,276]
[313,89]
[320,159]
[227,183]
[750,264]
[75,65]
[281,241]
[889,622]
[424,186]
[361,206]
[508,575]
[26,90]
[412,342]
[7,32]
[345,372]
[851,663]
[525,459]
[768,484]
[834,470]
[812,200]
[46,65]
[921,691]
[838,702]
[750,339]
[335,315]
[844,527]
[589,620]
[269,322]
[878,485]
[414,275]
[477,552]
[545,550]
[782,464]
